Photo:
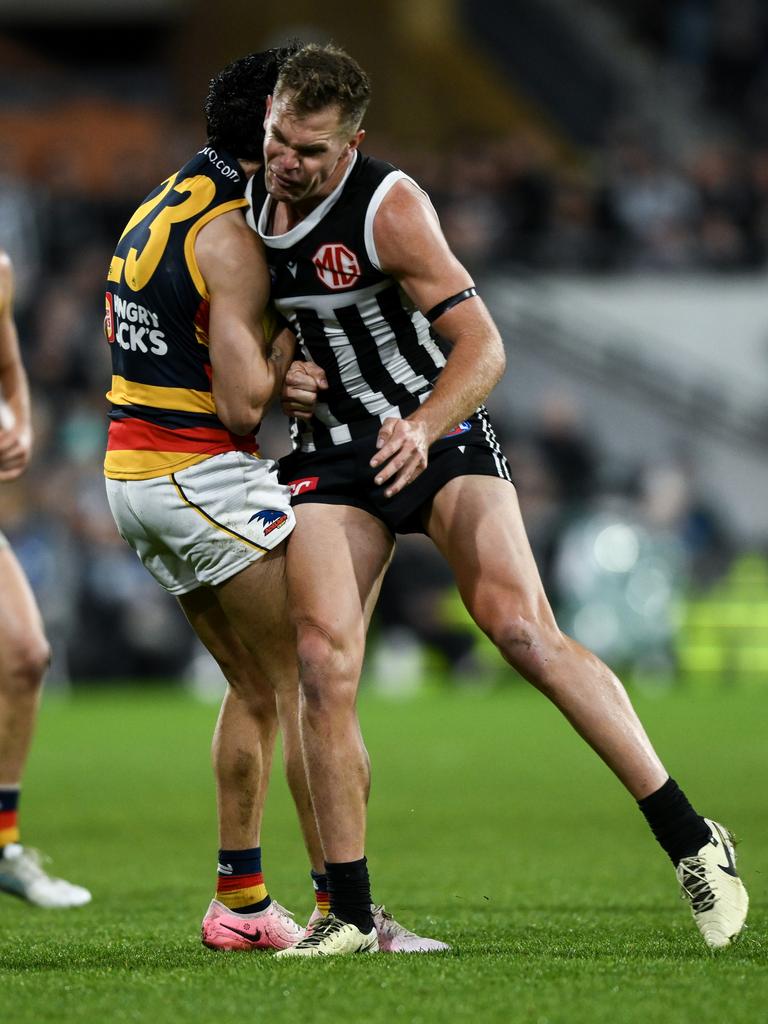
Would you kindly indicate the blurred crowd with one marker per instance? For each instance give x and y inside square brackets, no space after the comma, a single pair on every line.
[507,203]
[628,207]
[718,47]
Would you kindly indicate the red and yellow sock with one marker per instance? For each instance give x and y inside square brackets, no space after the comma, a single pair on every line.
[322,899]
[239,881]
[9,815]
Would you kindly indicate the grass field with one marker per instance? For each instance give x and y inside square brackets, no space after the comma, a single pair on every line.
[492,827]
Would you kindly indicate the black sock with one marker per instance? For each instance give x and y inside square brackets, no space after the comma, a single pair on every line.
[679,829]
[349,889]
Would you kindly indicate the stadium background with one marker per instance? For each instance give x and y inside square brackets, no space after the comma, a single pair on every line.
[602,167]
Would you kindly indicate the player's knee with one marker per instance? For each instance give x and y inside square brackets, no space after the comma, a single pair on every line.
[258,700]
[328,669]
[24,665]
[322,652]
[530,643]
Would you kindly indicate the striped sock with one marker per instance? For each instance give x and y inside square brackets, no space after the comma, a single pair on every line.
[239,881]
[322,899]
[9,815]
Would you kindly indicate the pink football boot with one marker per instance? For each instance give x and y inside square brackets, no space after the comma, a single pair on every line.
[271,928]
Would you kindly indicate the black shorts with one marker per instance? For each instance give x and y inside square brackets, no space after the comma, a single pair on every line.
[341,475]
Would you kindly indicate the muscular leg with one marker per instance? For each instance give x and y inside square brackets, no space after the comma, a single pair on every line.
[475,522]
[244,624]
[336,560]
[24,656]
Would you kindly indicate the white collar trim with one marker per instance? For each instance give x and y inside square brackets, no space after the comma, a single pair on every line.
[302,229]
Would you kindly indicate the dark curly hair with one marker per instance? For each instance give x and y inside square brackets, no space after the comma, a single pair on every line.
[237,96]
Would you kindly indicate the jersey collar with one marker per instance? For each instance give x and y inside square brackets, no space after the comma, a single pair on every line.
[302,229]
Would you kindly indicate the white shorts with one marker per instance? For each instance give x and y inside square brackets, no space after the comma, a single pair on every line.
[206,523]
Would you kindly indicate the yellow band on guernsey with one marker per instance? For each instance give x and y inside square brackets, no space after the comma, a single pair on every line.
[242,897]
[11,835]
[189,241]
[128,392]
[146,465]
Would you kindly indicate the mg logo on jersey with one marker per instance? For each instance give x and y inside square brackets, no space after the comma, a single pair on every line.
[336,265]
[307,483]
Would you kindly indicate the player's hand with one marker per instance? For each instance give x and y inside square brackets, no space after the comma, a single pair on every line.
[402,454]
[301,387]
[15,445]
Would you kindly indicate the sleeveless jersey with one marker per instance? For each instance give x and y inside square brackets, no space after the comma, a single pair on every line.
[378,351]
[163,417]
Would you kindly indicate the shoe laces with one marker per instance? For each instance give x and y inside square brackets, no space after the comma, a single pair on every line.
[281,909]
[322,928]
[386,923]
[695,885]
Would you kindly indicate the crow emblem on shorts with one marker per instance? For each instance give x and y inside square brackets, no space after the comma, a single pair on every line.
[270,518]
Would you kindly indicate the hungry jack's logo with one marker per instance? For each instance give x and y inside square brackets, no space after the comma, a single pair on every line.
[109,318]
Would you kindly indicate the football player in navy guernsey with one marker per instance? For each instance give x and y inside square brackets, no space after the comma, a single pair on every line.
[399,441]
[24,651]
[196,359]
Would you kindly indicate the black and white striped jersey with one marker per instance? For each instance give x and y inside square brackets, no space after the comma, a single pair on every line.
[378,351]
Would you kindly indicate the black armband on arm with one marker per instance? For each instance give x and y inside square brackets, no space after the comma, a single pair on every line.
[443,307]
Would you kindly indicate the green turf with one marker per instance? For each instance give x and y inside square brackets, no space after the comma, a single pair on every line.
[492,826]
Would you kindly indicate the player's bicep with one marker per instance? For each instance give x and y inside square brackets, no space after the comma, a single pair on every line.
[232,263]
[412,248]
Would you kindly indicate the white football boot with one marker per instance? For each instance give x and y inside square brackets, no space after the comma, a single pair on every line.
[330,936]
[22,874]
[711,885]
[393,937]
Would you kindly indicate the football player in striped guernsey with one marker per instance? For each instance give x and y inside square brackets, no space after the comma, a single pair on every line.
[24,652]
[197,357]
[399,441]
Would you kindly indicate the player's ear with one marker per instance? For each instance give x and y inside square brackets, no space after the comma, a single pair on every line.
[267,110]
[356,139]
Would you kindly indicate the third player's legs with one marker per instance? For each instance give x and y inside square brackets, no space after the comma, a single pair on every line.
[476,523]
[24,656]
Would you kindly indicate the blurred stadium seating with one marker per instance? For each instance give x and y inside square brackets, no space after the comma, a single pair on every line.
[605,176]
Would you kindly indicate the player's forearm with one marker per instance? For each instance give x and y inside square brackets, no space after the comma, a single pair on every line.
[473,369]
[279,358]
[14,389]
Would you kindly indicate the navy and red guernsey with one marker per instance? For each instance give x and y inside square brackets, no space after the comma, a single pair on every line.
[163,417]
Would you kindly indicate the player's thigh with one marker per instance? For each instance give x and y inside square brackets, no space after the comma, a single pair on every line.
[337,557]
[209,621]
[475,522]
[22,638]
[255,603]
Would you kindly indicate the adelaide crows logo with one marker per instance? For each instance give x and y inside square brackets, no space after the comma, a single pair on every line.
[270,518]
